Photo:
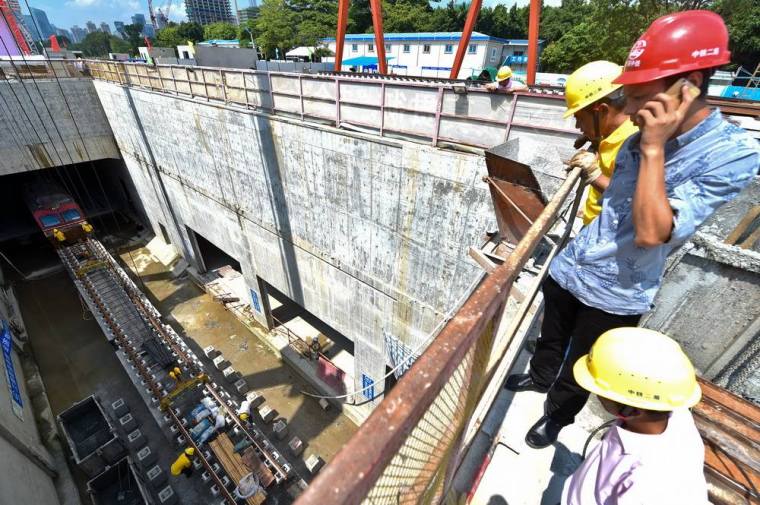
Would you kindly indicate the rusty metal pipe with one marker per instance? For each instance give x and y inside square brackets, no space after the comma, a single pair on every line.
[355,469]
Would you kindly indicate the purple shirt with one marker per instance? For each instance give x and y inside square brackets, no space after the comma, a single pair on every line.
[629,468]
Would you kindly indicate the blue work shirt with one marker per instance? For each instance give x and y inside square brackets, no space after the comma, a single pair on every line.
[704,168]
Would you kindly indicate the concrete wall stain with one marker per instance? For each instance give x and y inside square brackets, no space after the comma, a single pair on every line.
[376,235]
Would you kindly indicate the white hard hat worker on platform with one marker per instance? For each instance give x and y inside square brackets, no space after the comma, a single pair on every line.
[653,453]
[597,104]
[505,82]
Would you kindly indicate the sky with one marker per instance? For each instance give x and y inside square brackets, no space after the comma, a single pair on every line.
[66,13]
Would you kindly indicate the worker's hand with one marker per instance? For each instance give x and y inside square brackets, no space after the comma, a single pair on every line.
[660,118]
[492,86]
[589,165]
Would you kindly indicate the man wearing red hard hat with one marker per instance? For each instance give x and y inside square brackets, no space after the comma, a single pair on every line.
[685,162]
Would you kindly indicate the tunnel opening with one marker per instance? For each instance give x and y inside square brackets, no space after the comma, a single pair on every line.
[212,257]
[101,190]
[330,354]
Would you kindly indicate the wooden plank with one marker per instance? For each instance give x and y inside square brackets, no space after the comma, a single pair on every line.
[233,464]
[259,469]
[731,401]
[724,464]
[728,421]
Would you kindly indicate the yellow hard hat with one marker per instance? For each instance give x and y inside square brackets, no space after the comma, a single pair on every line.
[243,416]
[641,368]
[591,82]
[503,74]
[190,451]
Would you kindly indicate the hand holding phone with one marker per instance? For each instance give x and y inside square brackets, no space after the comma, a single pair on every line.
[676,89]
[660,118]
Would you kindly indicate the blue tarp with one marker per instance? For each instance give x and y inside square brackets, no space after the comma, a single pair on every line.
[364,61]
[742,92]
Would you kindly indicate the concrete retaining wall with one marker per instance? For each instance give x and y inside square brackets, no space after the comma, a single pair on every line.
[37,131]
[370,235]
[25,463]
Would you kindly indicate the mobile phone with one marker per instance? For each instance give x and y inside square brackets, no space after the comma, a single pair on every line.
[675,89]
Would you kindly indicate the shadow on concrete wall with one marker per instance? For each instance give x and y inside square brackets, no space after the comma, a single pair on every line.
[279,205]
[155,175]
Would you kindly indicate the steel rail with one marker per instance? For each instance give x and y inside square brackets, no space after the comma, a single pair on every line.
[355,469]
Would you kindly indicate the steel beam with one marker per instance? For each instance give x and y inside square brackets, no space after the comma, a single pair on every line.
[377,25]
[340,37]
[533,22]
[469,25]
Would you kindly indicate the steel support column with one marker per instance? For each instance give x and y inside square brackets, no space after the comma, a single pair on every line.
[340,37]
[377,25]
[469,25]
[533,21]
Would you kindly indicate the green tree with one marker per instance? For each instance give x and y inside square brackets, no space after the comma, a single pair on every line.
[96,44]
[220,31]
[276,28]
[190,31]
[174,34]
[246,31]
[407,16]
[118,45]
[359,17]
[743,21]
[316,19]
[133,37]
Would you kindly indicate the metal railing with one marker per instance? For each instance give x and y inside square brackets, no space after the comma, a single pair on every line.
[407,451]
[42,69]
[436,111]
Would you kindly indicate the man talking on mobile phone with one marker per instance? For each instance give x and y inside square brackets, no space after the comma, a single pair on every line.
[685,162]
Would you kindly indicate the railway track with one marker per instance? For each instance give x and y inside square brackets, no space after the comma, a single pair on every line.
[152,348]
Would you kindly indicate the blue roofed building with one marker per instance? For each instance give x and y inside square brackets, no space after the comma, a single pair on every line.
[431,54]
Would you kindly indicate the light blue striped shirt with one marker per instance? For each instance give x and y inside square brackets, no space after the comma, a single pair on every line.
[704,168]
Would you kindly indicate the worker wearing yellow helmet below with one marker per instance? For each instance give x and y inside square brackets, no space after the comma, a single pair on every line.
[184,463]
[685,162]
[505,82]
[597,104]
[653,452]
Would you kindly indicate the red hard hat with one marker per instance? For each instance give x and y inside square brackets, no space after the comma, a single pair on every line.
[677,43]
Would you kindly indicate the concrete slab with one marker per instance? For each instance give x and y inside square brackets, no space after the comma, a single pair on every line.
[520,475]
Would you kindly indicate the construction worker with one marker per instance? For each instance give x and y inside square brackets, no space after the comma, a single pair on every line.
[684,163]
[176,374]
[653,452]
[597,104]
[505,82]
[184,463]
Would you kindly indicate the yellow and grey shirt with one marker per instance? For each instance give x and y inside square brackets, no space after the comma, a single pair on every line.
[608,149]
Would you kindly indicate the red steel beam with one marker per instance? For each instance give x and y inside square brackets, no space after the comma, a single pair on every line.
[533,22]
[469,25]
[10,20]
[377,25]
[340,37]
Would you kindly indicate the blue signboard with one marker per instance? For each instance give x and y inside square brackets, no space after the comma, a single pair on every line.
[368,387]
[10,371]
[255,301]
